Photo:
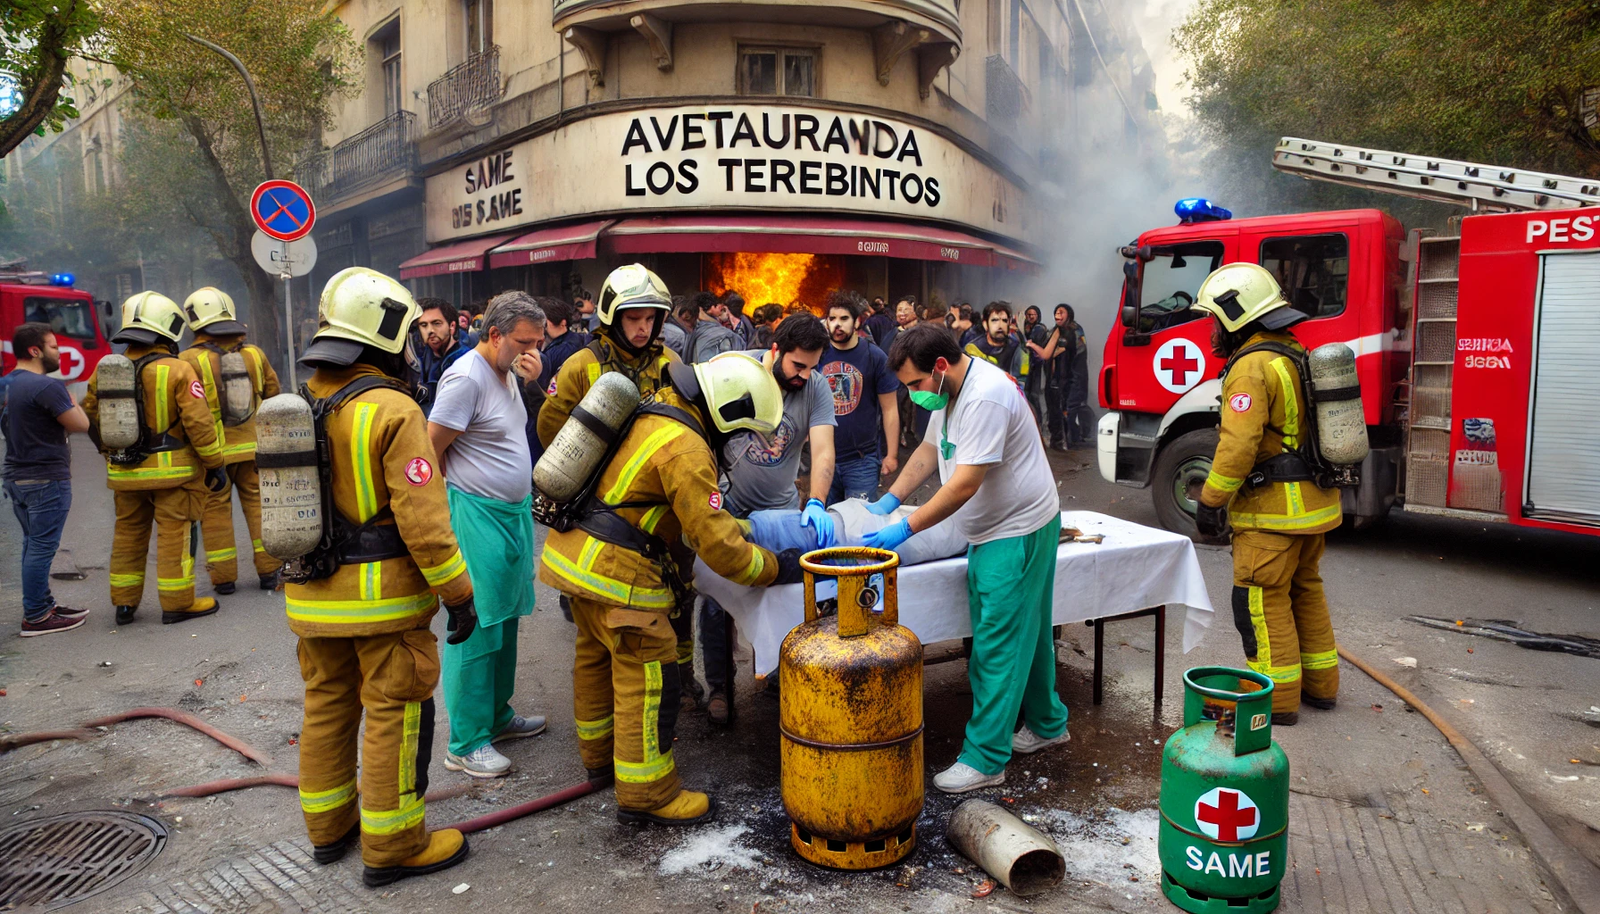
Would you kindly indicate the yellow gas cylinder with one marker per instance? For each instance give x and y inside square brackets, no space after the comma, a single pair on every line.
[851,718]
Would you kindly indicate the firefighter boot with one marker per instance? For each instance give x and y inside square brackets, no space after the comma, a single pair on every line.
[125,614]
[333,853]
[687,808]
[446,848]
[204,606]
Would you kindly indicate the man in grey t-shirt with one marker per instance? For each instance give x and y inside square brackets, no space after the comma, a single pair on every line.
[762,470]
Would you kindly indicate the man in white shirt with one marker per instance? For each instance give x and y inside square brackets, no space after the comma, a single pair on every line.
[478,426]
[992,468]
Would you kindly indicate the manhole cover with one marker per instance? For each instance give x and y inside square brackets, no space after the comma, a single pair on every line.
[58,860]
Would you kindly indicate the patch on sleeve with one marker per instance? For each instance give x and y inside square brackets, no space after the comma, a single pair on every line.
[197,389]
[1239,403]
[715,501]
[419,471]
[551,390]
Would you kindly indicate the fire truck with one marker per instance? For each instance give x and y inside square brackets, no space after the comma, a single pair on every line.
[1476,351]
[27,296]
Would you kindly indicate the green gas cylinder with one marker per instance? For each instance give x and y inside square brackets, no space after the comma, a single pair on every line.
[1224,839]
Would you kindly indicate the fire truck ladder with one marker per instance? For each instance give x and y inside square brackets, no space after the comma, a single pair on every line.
[1484,188]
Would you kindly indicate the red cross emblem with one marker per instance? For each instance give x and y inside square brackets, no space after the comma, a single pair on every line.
[419,471]
[1227,815]
[71,363]
[1179,365]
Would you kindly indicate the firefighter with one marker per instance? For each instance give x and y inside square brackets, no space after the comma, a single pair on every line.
[620,567]
[182,459]
[217,332]
[1260,483]
[365,642]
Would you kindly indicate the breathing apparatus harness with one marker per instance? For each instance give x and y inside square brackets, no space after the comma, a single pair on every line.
[1303,462]
[222,380]
[150,442]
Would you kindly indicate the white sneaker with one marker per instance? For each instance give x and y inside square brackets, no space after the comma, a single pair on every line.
[961,777]
[482,762]
[519,727]
[1028,742]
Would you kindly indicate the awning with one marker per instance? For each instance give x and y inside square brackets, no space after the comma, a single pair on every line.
[799,235]
[462,257]
[569,242]
[1014,260]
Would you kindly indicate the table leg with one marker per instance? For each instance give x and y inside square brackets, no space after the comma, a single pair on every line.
[1161,654]
[1099,660]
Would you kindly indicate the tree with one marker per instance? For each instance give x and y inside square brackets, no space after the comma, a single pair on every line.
[37,38]
[1505,82]
[300,56]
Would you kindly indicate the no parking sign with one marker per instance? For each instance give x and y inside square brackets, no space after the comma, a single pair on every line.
[282,210]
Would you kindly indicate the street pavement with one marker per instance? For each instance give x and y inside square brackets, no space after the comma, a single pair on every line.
[1384,815]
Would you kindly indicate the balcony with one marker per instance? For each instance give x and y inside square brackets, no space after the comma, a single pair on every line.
[1007,99]
[464,89]
[383,152]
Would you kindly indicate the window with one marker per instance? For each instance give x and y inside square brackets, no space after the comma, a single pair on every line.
[480,26]
[1314,271]
[393,92]
[1170,281]
[66,317]
[778,71]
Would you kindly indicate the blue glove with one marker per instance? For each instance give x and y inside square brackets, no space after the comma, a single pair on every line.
[884,505]
[817,516]
[890,537]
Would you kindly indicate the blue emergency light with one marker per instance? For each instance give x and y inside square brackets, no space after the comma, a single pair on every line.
[1198,209]
[62,279]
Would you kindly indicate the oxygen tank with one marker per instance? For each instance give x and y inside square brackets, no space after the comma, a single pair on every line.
[1341,421]
[575,454]
[119,407]
[291,489]
[238,392]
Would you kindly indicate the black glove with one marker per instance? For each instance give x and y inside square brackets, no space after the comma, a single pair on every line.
[1211,521]
[789,570]
[217,479]
[463,620]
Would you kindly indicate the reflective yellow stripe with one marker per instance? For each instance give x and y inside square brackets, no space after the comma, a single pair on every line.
[625,594]
[1320,660]
[409,815]
[596,729]
[652,517]
[256,545]
[361,460]
[315,801]
[1276,674]
[446,570]
[652,710]
[355,612]
[1296,501]
[214,449]
[1258,622]
[593,370]
[371,574]
[752,571]
[646,772]
[157,472]
[222,555]
[183,583]
[233,450]
[212,400]
[162,396]
[1287,522]
[1223,483]
[1291,402]
[127,580]
[657,440]
[408,747]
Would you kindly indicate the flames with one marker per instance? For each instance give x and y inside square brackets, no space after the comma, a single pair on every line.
[782,278]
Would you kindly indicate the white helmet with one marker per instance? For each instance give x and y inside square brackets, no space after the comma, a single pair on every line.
[361,307]
[149,318]
[211,309]
[631,286]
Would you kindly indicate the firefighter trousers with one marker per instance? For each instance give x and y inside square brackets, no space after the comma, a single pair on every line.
[172,511]
[1282,615]
[391,677]
[625,699]
[222,560]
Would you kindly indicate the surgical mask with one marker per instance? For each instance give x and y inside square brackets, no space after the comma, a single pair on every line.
[931,402]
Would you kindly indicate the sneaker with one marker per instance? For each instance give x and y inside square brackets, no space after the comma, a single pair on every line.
[226,588]
[67,612]
[482,762]
[1028,742]
[519,727]
[446,848]
[204,606]
[50,624]
[687,808]
[961,777]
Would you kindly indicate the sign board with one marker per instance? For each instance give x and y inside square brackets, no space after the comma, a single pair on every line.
[283,210]
[277,257]
[754,157]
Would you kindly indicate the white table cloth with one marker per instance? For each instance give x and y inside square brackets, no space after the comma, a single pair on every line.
[1136,567]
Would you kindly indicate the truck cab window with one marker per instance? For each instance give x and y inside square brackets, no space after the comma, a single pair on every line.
[66,317]
[1314,271]
[1170,282]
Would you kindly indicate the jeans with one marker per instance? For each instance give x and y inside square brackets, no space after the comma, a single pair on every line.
[855,477]
[41,508]
[1054,400]
[1035,396]
[714,643]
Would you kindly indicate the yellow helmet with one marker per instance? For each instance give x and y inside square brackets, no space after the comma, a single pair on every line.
[1238,293]
[361,307]
[740,393]
[149,318]
[211,309]
[631,286]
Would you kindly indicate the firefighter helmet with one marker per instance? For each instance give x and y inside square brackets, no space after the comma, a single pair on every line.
[211,309]
[361,307]
[149,318]
[1241,293]
[740,393]
[631,286]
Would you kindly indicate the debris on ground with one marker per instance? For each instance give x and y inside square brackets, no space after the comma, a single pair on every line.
[710,851]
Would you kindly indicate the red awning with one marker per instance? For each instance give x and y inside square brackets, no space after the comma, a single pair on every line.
[1014,260]
[799,235]
[569,242]
[461,257]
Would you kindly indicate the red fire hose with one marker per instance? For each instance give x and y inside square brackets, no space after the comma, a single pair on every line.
[188,720]
[529,808]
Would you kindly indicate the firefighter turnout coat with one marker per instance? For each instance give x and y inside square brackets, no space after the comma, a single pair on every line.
[584,367]
[175,406]
[239,441]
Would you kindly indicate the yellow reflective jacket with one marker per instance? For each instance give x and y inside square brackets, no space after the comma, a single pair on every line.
[382,458]
[174,405]
[238,442]
[579,372]
[1262,415]
[670,468]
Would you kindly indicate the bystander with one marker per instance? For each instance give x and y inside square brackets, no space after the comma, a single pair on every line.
[709,338]
[864,390]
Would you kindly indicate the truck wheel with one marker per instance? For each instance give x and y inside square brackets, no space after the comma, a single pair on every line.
[1180,471]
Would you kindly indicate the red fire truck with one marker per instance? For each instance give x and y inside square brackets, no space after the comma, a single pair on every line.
[1475,351]
[51,299]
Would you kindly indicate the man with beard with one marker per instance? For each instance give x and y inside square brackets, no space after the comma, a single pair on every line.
[761,472]
[998,347]
[442,343]
[863,391]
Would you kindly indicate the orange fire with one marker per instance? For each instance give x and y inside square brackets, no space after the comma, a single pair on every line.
[781,278]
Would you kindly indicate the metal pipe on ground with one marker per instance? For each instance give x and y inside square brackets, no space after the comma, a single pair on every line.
[1022,858]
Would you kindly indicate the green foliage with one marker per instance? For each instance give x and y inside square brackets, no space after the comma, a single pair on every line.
[36,39]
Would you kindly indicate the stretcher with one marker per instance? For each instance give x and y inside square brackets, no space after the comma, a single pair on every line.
[1132,568]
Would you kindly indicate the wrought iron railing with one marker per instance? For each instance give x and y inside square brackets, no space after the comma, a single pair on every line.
[468,86]
[387,149]
[1006,96]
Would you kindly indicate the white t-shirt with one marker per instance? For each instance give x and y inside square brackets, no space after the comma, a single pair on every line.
[490,457]
[992,425]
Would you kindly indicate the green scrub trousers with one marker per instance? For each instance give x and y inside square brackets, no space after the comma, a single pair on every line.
[1013,664]
[480,674]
